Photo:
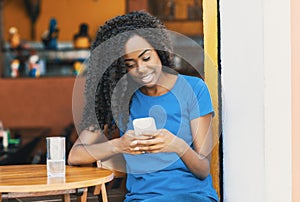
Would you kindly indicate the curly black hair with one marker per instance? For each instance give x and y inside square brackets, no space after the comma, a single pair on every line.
[107,89]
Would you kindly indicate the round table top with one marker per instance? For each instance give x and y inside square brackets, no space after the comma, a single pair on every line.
[33,178]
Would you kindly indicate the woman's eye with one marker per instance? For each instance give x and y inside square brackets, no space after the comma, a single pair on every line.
[145,59]
[129,65]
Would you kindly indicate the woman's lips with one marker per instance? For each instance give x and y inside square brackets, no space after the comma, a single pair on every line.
[148,78]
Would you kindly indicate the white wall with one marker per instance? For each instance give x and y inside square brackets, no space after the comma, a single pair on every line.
[256,100]
[278,122]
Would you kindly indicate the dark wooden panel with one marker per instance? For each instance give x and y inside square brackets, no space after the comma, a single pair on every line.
[36,102]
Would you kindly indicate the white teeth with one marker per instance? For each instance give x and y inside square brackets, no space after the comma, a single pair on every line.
[147,78]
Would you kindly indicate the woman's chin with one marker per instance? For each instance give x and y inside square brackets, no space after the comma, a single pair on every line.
[149,85]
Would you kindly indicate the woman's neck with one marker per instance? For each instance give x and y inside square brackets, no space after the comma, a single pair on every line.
[164,85]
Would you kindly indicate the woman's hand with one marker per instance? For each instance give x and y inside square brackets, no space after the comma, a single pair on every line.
[161,141]
[129,143]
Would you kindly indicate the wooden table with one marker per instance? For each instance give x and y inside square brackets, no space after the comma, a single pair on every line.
[31,181]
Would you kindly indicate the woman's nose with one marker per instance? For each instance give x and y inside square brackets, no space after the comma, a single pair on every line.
[141,68]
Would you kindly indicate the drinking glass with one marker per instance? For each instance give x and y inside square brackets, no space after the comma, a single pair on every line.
[56,156]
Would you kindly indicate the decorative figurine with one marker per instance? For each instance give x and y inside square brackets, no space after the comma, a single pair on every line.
[50,36]
[14,38]
[34,67]
[82,38]
[14,65]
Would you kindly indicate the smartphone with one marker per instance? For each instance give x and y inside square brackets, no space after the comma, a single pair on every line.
[144,125]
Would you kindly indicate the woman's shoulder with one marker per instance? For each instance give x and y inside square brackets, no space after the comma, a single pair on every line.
[192,80]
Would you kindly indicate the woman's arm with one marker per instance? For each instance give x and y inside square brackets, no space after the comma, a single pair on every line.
[198,160]
[90,147]
[93,146]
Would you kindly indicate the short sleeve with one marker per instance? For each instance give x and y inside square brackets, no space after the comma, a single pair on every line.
[201,103]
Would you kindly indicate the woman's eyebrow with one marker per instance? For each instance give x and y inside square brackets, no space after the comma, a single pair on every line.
[140,55]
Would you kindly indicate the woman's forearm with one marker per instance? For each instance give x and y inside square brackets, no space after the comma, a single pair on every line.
[90,153]
[199,165]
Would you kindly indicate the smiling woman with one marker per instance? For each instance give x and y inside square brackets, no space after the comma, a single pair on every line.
[131,72]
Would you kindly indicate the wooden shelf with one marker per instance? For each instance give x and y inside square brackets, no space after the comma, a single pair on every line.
[186,27]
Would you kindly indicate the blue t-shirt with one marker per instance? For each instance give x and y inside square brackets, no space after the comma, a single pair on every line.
[155,175]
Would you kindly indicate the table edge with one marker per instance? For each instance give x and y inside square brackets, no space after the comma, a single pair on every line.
[57,186]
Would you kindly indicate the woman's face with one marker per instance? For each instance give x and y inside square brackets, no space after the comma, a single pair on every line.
[142,61]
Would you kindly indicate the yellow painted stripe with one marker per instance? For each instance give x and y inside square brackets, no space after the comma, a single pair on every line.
[210,28]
